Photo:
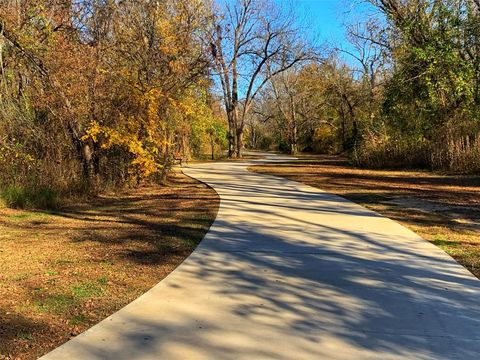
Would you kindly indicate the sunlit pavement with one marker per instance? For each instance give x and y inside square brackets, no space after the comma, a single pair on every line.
[290,272]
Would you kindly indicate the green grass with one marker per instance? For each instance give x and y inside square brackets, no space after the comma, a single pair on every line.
[25,336]
[103,280]
[63,303]
[22,216]
[30,216]
[443,242]
[58,303]
[18,197]
[87,290]
[107,263]
[78,319]
[64,262]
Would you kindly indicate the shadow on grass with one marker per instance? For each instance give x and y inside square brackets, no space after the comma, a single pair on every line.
[285,284]
[17,332]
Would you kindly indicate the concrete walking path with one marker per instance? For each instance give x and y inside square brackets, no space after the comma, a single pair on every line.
[290,272]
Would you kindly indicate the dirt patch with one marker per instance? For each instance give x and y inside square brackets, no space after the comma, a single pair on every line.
[444,209]
[62,272]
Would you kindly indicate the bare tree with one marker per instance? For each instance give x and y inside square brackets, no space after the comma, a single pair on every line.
[249,36]
[370,51]
[289,96]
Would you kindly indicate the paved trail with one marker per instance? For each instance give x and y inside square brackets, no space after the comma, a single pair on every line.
[290,272]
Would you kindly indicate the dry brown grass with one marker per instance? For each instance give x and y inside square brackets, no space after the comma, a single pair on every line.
[442,209]
[62,272]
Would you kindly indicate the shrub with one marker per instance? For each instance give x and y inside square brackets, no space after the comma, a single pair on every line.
[14,197]
[283,146]
[18,197]
[44,198]
[458,154]
[392,153]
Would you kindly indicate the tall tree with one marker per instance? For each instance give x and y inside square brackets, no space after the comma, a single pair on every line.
[250,35]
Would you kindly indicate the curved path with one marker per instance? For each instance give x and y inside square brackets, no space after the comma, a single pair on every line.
[290,272]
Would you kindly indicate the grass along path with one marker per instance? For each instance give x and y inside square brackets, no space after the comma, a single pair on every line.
[61,273]
[444,210]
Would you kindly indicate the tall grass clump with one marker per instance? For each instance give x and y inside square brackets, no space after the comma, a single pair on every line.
[460,155]
[18,197]
[447,152]
[392,153]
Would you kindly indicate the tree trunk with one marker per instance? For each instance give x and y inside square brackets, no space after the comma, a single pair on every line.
[231,144]
[88,168]
[240,143]
[231,133]
[253,137]
[344,132]
[294,141]
[293,144]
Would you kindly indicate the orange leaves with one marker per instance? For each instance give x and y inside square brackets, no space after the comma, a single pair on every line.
[127,135]
[115,87]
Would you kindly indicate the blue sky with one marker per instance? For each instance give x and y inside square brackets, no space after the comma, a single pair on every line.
[325,17]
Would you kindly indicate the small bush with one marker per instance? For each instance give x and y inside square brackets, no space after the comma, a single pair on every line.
[18,197]
[283,146]
[44,198]
[14,197]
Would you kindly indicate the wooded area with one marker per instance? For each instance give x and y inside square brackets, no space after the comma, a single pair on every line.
[409,97]
[97,94]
